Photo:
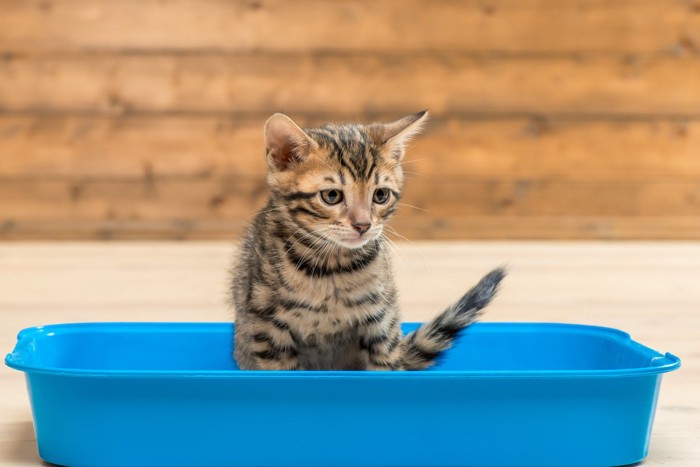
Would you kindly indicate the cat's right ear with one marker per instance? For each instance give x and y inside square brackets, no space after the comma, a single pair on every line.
[286,143]
[397,134]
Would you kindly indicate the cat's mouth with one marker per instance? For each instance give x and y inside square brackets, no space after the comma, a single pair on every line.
[356,242]
[353,241]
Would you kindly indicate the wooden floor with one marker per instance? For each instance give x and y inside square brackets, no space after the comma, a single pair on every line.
[648,289]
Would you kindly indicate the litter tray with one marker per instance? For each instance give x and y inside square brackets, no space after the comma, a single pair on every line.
[507,394]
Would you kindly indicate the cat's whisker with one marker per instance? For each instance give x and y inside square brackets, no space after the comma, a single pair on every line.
[309,234]
[331,251]
[297,242]
[327,248]
[303,258]
[319,256]
[391,246]
[412,206]
[393,231]
[385,252]
[324,254]
[311,249]
[300,239]
[414,160]
[293,234]
[279,208]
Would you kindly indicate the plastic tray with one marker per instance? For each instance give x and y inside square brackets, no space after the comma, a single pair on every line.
[168,394]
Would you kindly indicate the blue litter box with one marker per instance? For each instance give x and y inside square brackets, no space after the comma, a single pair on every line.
[507,394]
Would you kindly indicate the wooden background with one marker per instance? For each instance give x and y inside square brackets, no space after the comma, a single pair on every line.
[552,118]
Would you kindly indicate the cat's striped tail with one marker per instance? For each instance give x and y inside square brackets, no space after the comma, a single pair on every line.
[421,348]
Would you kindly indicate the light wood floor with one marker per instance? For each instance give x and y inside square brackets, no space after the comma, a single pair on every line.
[647,289]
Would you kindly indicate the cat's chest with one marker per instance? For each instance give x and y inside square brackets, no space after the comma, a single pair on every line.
[334,311]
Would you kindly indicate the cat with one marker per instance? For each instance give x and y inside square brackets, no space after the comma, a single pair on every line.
[313,286]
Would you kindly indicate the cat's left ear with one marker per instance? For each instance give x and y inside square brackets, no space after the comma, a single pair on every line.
[396,134]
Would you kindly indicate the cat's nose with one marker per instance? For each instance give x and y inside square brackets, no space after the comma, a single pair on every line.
[361,227]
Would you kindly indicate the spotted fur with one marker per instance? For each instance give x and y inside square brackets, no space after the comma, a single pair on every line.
[313,285]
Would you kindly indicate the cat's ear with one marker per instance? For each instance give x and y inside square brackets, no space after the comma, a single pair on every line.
[285,142]
[396,134]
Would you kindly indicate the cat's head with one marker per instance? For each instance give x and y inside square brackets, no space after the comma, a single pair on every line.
[341,182]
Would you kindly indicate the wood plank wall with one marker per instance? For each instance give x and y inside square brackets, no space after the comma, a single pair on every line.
[552,118]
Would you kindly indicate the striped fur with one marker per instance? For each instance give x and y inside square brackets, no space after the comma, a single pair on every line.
[312,284]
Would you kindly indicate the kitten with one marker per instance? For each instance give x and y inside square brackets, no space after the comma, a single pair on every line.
[313,286]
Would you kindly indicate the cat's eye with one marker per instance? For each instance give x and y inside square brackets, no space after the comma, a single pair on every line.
[332,196]
[381,195]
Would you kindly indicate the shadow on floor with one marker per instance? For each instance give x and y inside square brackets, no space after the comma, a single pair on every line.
[22,449]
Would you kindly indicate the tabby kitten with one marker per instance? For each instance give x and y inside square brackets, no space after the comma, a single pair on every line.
[313,286]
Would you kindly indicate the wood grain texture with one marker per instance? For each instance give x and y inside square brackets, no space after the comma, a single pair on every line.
[208,198]
[130,147]
[552,119]
[192,177]
[511,149]
[218,207]
[348,85]
[545,228]
[514,26]
[473,227]
[181,200]
[649,290]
